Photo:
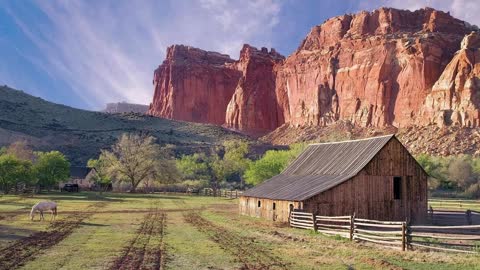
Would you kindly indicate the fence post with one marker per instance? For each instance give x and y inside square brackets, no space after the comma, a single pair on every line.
[431,215]
[314,222]
[352,226]
[404,236]
[468,216]
[236,194]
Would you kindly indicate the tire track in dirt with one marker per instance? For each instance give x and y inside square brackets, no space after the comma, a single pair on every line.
[26,249]
[250,255]
[142,252]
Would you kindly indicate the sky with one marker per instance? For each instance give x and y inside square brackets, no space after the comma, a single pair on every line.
[86,53]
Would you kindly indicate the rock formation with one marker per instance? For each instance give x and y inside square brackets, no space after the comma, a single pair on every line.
[193,85]
[376,69]
[124,107]
[253,106]
[454,99]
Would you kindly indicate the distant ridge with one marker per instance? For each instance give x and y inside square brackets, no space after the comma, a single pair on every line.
[125,107]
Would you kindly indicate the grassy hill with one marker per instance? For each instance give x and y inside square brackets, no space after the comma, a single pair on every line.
[80,134]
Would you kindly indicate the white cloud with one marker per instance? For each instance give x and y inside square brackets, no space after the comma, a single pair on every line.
[466,10]
[107,50]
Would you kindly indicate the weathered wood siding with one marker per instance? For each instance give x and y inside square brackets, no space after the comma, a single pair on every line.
[370,194]
[249,206]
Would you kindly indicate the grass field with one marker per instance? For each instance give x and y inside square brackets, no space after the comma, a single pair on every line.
[136,231]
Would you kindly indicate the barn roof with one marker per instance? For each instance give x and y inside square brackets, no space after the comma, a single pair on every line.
[319,168]
[79,172]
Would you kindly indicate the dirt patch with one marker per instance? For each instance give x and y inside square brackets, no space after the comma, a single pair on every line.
[26,249]
[142,252]
[381,264]
[251,255]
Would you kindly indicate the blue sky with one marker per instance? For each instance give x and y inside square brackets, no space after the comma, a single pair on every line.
[87,53]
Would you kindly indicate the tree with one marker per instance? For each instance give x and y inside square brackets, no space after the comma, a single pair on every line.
[193,167]
[101,178]
[135,158]
[271,164]
[14,171]
[51,168]
[460,170]
[21,150]
[235,160]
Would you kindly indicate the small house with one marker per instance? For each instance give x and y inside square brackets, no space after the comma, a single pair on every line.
[374,178]
[82,176]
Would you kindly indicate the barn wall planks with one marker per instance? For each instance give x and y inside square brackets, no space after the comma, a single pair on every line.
[249,206]
[370,194]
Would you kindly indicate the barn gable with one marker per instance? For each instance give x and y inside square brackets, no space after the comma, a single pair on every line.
[319,168]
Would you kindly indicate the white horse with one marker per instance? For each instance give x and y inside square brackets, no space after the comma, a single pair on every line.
[44,206]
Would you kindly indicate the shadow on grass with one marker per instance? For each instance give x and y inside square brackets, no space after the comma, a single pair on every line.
[10,233]
[93,224]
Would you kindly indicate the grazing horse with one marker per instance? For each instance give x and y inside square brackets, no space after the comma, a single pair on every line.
[44,206]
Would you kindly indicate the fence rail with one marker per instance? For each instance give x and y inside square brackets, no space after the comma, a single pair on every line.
[393,234]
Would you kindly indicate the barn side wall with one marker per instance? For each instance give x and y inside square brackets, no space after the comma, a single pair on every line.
[249,206]
[370,194]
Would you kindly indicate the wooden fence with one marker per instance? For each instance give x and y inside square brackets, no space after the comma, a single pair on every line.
[453,217]
[221,193]
[393,234]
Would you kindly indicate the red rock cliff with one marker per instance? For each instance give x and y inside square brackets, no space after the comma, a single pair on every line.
[193,85]
[373,69]
[253,107]
[383,68]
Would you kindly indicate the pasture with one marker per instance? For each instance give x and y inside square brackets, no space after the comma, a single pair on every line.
[139,231]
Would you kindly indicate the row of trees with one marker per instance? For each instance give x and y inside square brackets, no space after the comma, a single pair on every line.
[20,166]
[229,165]
[460,174]
[138,161]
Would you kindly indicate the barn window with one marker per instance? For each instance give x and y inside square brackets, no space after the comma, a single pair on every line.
[274,206]
[259,203]
[397,188]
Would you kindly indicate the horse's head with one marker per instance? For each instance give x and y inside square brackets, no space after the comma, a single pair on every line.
[32,213]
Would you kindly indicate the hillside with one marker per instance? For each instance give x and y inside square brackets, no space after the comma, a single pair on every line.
[80,134]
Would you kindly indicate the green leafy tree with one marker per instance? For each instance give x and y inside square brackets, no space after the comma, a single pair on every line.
[51,168]
[193,167]
[101,178]
[14,171]
[271,164]
[235,160]
[135,158]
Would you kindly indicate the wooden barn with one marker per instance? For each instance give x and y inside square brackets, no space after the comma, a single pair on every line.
[375,178]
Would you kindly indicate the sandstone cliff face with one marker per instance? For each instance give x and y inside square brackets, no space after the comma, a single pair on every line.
[373,69]
[454,99]
[376,69]
[193,85]
[253,106]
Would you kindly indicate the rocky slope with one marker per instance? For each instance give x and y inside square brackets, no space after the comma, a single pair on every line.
[381,70]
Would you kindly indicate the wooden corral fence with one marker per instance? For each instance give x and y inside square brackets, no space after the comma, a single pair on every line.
[393,234]
[222,193]
[453,217]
